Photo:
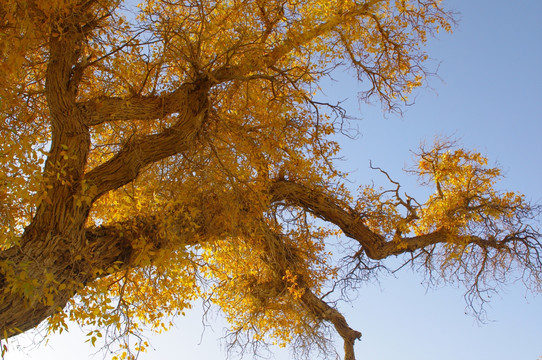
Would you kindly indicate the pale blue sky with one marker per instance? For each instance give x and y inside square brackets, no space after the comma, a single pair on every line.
[490,95]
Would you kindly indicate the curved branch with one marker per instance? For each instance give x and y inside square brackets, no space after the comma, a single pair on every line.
[191,103]
[329,208]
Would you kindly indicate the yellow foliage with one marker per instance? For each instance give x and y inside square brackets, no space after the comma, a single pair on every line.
[464,191]
[141,149]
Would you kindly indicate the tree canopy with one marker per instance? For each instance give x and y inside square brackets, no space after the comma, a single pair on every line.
[171,151]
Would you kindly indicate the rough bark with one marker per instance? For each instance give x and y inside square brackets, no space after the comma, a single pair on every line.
[21,310]
[74,266]
[56,244]
[191,103]
[56,231]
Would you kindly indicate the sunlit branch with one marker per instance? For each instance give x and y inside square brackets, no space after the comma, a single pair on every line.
[108,109]
[329,209]
[144,150]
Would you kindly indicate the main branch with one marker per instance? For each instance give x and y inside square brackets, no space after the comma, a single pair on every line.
[190,101]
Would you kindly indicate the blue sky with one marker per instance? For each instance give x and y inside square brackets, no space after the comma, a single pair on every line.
[488,94]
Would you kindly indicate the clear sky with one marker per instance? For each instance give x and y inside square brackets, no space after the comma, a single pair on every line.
[488,94]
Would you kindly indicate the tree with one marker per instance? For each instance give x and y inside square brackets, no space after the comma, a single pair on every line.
[187,157]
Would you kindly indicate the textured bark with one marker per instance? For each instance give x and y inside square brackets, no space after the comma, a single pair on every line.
[56,232]
[99,249]
[56,242]
[191,102]
[21,309]
[104,247]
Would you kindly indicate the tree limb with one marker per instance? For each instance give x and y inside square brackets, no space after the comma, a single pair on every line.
[108,109]
[189,101]
[328,208]
[319,203]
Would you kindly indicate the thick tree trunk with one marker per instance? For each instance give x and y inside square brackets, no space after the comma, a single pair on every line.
[56,255]
[46,254]
[39,277]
